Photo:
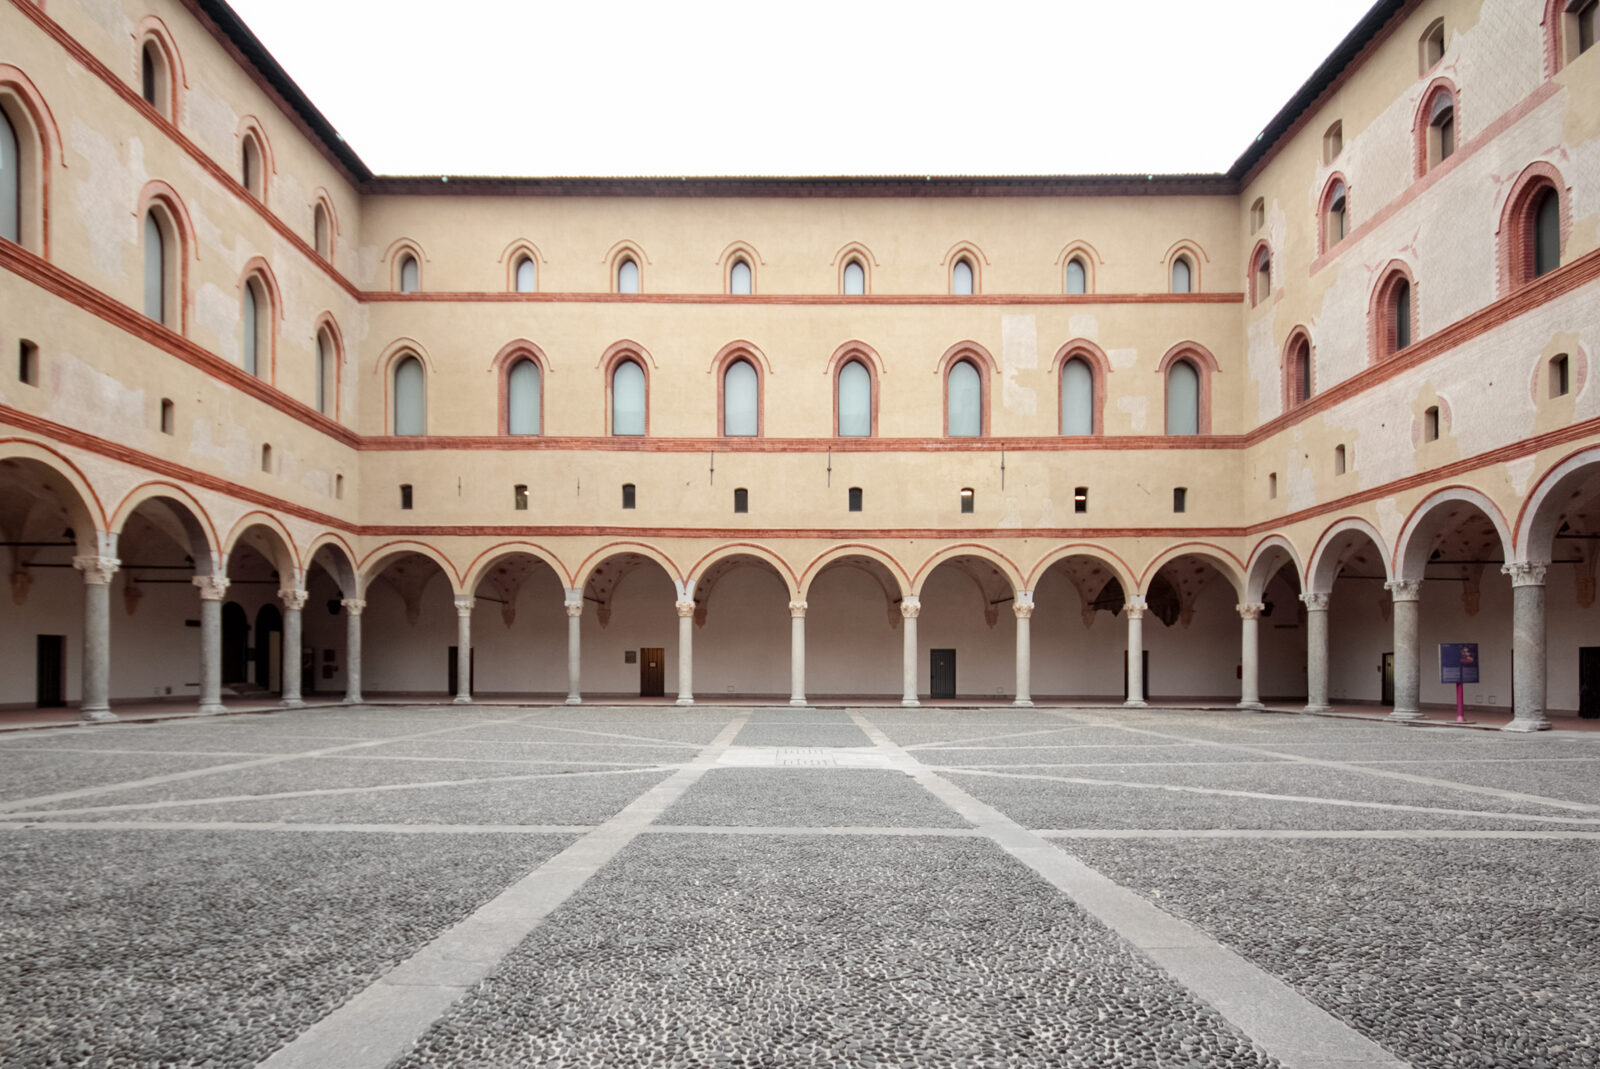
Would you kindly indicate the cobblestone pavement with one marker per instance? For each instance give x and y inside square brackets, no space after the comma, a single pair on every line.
[495,886]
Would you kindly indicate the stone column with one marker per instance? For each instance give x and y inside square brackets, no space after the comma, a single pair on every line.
[1316,652]
[464,604]
[1250,654]
[293,602]
[685,652]
[213,588]
[97,572]
[1135,609]
[1023,608]
[910,607]
[352,650]
[1528,647]
[797,653]
[574,605]
[1407,594]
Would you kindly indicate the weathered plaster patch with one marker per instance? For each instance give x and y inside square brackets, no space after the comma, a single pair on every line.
[1262,360]
[1019,351]
[219,313]
[1519,473]
[1122,359]
[1136,409]
[1389,520]
[82,396]
[234,451]
[104,190]
[1084,326]
[109,13]
[211,122]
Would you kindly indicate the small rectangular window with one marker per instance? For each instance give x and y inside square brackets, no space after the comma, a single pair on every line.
[1341,459]
[741,500]
[266,458]
[1272,484]
[168,416]
[519,497]
[1588,15]
[1430,424]
[1180,498]
[968,499]
[1080,499]
[28,363]
[627,495]
[338,487]
[1559,381]
[855,499]
[405,495]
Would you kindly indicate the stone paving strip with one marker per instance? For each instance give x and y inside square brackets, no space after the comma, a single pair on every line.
[383,1021]
[1272,1014]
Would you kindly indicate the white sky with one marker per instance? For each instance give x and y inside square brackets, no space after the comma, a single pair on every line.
[628,87]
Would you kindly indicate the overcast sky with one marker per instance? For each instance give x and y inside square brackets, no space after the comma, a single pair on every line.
[826,87]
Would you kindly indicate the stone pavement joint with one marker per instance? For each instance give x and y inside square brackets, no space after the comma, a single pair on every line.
[1267,1010]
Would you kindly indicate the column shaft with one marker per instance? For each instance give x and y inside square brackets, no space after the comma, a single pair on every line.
[909,609]
[685,653]
[1528,647]
[1250,655]
[574,607]
[464,603]
[293,602]
[797,653]
[96,698]
[1316,652]
[1135,610]
[1022,607]
[1407,649]
[352,650]
[212,590]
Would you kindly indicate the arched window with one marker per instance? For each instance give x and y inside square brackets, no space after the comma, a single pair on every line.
[964,401]
[1335,220]
[410,275]
[10,182]
[527,275]
[155,76]
[1258,214]
[961,278]
[523,400]
[628,278]
[741,400]
[1297,370]
[326,373]
[1441,127]
[1392,313]
[257,321]
[1430,48]
[627,398]
[855,400]
[1183,398]
[1546,233]
[410,398]
[740,280]
[1533,226]
[1077,277]
[321,232]
[855,279]
[1261,280]
[1182,275]
[1077,397]
[250,167]
[1333,142]
[155,268]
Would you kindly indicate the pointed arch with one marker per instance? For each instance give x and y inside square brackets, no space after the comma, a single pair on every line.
[975,355]
[1205,366]
[1426,151]
[736,251]
[504,363]
[1412,547]
[160,201]
[1297,348]
[854,252]
[514,253]
[617,354]
[727,356]
[1515,236]
[395,257]
[1324,562]
[1260,266]
[1392,311]
[483,562]
[895,569]
[39,149]
[326,324]
[1195,254]
[620,253]
[1085,253]
[976,261]
[1334,226]
[322,200]
[863,354]
[259,270]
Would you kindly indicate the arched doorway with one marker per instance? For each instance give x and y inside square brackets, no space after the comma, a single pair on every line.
[1560,543]
[853,621]
[629,644]
[519,629]
[742,620]
[268,649]
[1191,630]
[409,629]
[967,630]
[1079,640]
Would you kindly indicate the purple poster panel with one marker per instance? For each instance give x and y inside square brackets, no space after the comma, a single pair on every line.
[1458,662]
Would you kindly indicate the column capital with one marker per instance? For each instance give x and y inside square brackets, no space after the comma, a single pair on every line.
[97,571]
[1135,608]
[353,606]
[1525,573]
[1251,610]
[1404,589]
[293,600]
[797,609]
[212,587]
[685,609]
[911,607]
[574,609]
[1022,609]
[1316,602]
[464,604]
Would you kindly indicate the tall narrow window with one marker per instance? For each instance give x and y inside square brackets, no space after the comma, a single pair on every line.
[405,495]
[10,182]
[155,269]
[1080,499]
[410,275]
[1430,50]
[741,400]
[969,500]
[1077,277]
[250,167]
[627,399]
[855,279]
[630,496]
[149,76]
[854,499]
[1299,371]
[961,278]
[741,500]
[1272,484]
[1587,16]
[257,322]
[523,400]
[739,278]
[1430,424]
[1333,142]
[1401,312]
[855,400]
[1546,233]
[519,497]
[28,363]
[964,418]
[1560,379]
[1077,397]
[628,276]
[1258,214]
[169,418]
[1183,398]
[1340,459]
[1263,276]
[1336,221]
[266,459]
[325,372]
[1441,128]
[338,487]
[410,398]
[1182,275]
[321,232]
[527,275]
[1180,499]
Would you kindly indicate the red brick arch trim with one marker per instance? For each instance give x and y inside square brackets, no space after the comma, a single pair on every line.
[513,254]
[151,28]
[625,250]
[1205,366]
[388,360]
[1099,369]
[261,271]
[326,324]
[1298,337]
[855,250]
[1381,341]
[1251,282]
[1514,236]
[868,358]
[1085,254]
[509,356]
[323,199]
[159,195]
[964,250]
[988,371]
[726,357]
[1325,208]
[736,251]
[1196,255]
[617,354]
[396,254]
[38,135]
[1419,124]
[1558,28]
[250,127]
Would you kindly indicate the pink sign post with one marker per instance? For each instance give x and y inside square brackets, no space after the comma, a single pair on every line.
[1458,664]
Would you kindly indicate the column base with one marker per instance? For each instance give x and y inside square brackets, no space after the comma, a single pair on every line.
[909,702]
[1526,724]
[1406,714]
[292,703]
[1023,703]
[1135,705]
[354,699]
[1251,705]
[1316,709]
[99,716]
[685,701]
[573,699]
[212,710]
[462,699]
[797,702]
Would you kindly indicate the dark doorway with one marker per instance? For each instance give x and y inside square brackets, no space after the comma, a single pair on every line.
[652,672]
[1144,664]
[269,647]
[1387,697]
[472,670]
[52,672]
[235,643]
[941,673]
[1588,682]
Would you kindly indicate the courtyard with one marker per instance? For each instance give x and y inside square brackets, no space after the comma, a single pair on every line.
[480,885]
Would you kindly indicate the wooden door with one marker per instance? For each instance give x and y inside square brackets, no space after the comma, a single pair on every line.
[51,686]
[1589,682]
[652,672]
[941,673]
